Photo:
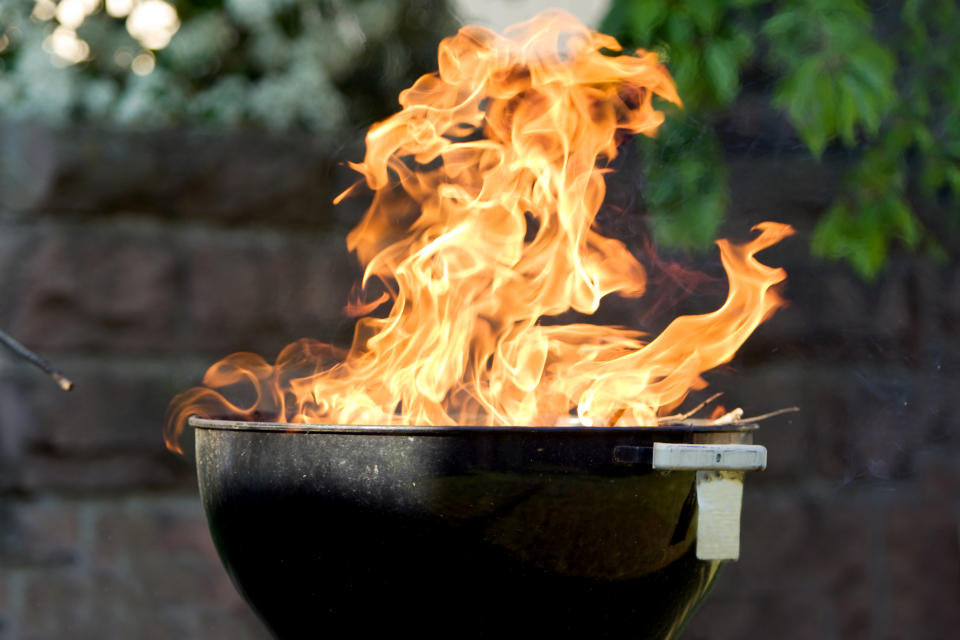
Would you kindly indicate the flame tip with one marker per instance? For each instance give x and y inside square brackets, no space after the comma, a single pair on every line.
[486,185]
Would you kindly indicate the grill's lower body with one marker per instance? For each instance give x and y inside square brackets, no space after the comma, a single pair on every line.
[454,532]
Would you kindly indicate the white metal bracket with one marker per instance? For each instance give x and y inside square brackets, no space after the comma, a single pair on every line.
[697,457]
[719,485]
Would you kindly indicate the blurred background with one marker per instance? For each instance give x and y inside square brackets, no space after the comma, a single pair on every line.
[166,175]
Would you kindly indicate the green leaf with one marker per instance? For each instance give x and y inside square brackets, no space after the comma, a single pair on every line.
[778,27]
[679,30]
[868,111]
[688,75]
[911,14]
[933,175]
[791,92]
[827,239]
[646,16]
[721,66]
[704,13]
[842,235]
[952,178]
[685,190]
[821,126]
[935,251]
[806,96]
[846,116]
[742,45]
[874,67]
[899,220]
[924,139]
[834,81]
[869,254]
[862,234]
[826,48]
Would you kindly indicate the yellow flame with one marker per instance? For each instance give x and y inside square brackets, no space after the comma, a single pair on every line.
[486,185]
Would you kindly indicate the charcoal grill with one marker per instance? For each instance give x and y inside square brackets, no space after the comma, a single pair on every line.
[473,532]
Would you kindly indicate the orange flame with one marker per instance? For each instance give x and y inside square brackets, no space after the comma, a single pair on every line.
[486,185]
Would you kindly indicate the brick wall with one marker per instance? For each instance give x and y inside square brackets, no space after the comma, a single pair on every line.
[135,260]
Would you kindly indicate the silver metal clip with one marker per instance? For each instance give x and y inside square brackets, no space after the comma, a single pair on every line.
[698,457]
[719,485]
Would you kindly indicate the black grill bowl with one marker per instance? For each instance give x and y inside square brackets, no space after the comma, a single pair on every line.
[455,532]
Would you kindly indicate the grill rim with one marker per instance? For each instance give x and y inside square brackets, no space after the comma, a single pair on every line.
[198,422]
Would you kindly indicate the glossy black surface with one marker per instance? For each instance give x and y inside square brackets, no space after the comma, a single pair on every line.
[454,532]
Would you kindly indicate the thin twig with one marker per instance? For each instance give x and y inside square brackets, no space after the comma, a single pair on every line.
[686,419]
[697,408]
[683,416]
[778,412]
[734,417]
[676,418]
[36,360]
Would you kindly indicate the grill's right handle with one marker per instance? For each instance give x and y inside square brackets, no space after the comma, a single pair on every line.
[719,483]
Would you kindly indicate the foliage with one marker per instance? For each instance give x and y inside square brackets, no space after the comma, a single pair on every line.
[688,196]
[309,65]
[890,98]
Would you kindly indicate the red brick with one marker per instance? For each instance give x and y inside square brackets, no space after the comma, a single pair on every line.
[138,526]
[260,298]
[236,623]
[106,603]
[103,291]
[329,274]
[40,534]
[854,420]
[799,615]
[923,549]
[145,567]
[923,555]
[892,315]
[850,564]
[192,174]
[105,472]
[25,183]
[15,243]
[16,419]
[806,542]
[167,546]
[121,605]
[163,547]
[116,405]
[106,434]
[936,472]
[951,301]
[56,604]
[5,617]
[225,296]
[804,570]
[786,183]
[822,302]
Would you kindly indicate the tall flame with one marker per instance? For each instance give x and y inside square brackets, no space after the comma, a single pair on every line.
[486,185]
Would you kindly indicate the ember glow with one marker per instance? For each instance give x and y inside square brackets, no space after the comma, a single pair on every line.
[486,185]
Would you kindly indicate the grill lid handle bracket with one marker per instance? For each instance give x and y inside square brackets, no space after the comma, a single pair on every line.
[719,485]
[701,457]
